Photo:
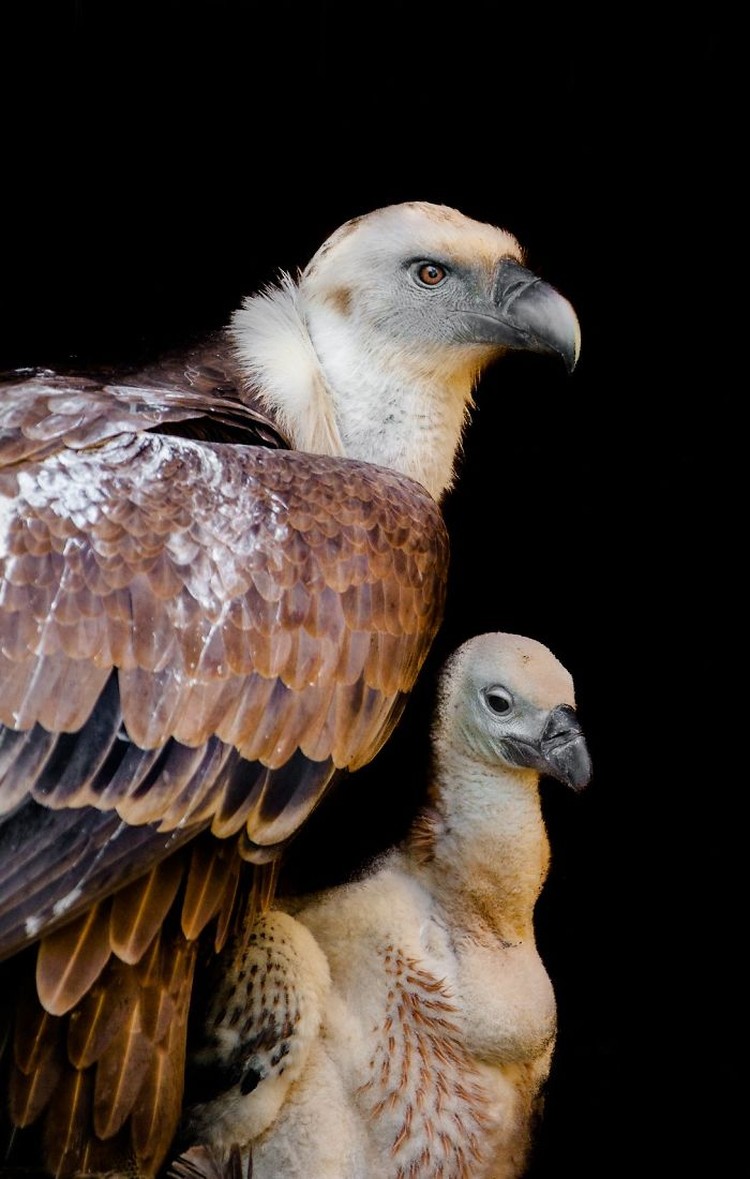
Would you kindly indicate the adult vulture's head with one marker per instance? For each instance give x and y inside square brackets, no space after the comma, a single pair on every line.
[375,351]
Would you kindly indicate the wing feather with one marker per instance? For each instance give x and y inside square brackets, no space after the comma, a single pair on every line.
[74,764]
[239,797]
[138,910]
[289,795]
[35,1033]
[66,1121]
[157,1111]
[108,1004]
[119,1074]
[71,959]
[22,757]
[172,775]
[80,855]
[189,639]
[155,1024]
[231,903]
[356,722]
[153,701]
[38,1054]
[202,795]
[211,865]
[30,1095]
[52,690]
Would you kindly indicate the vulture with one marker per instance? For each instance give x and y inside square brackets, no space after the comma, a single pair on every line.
[220,575]
[402,1024]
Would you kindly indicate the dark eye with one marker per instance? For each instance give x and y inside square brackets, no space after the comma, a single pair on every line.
[499,700]
[431,274]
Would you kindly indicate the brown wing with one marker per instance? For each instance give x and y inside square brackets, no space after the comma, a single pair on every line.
[194,637]
[194,395]
[99,1040]
[197,633]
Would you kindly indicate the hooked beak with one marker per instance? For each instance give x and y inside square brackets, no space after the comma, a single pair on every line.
[564,754]
[526,314]
[560,752]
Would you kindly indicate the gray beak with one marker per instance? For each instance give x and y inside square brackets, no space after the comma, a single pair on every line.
[565,755]
[525,314]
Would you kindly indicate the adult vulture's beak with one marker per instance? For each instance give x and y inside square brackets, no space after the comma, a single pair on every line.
[522,312]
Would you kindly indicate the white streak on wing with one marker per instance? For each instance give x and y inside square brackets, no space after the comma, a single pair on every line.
[65,903]
[33,925]
[7,507]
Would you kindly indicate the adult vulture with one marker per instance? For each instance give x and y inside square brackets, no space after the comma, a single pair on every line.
[219,580]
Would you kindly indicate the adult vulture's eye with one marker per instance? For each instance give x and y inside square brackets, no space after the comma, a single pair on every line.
[431,274]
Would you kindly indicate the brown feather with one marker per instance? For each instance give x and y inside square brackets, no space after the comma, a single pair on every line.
[156,1116]
[119,1074]
[208,874]
[66,1121]
[201,1162]
[70,960]
[51,690]
[37,1059]
[264,881]
[231,804]
[178,962]
[157,1013]
[108,1159]
[157,1111]
[128,779]
[35,1031]
[359,716]
[29,1095]
[148,970]
[100,1015]
[229,906]
[160,693]
[203,707]
[182,769]
[198,798]
[238,726]
[139,909]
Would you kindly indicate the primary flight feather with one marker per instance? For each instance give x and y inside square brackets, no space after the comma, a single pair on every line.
[220,577]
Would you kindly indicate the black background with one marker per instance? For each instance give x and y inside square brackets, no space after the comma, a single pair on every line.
[163,160]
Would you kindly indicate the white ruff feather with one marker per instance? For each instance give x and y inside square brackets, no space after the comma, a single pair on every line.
[411,406]
[276,353]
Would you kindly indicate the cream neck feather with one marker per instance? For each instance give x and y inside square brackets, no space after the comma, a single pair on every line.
[483,844]
[336,387]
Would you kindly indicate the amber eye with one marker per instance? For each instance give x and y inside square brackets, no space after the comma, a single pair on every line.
[431,274]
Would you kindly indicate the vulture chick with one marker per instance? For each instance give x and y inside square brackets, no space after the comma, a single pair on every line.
[403,1024]
[219,579]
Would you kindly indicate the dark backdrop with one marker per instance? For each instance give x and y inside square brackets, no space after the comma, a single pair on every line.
[162,160]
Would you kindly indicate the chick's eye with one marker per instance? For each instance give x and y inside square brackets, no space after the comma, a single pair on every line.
[498,700]
[431,274]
